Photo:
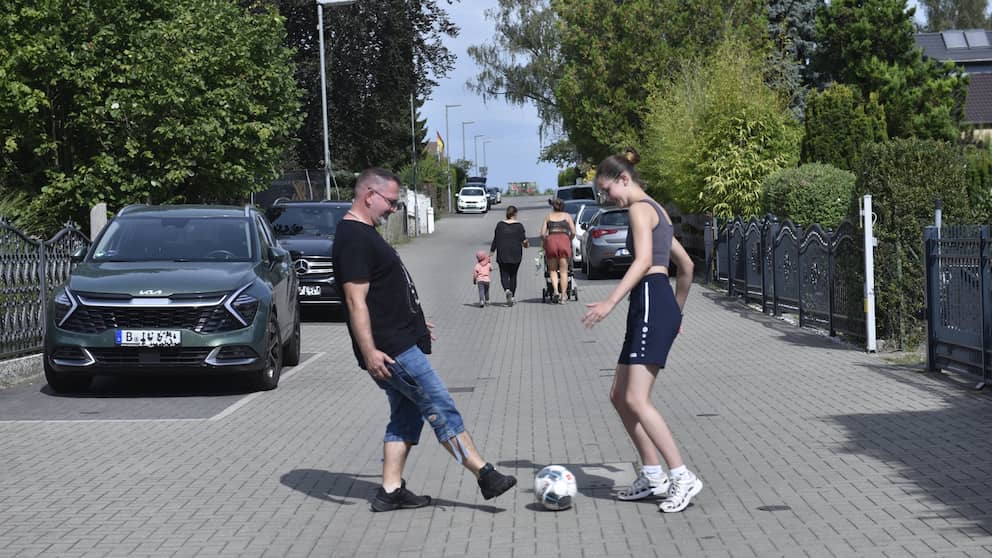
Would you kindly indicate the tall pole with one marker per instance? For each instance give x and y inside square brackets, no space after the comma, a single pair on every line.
[447,158]
[484,164]
[323,104]
[413,145]
[464,122]
[323,90]
[475,156]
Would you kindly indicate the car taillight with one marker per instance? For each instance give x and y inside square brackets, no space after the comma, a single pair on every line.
[602,232]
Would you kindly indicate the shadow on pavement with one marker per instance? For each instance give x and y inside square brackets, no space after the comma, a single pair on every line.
[789,333]
[161,386]
[943,452]
[348,489]
[589,485]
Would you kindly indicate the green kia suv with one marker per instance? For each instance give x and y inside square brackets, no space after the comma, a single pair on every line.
[175,290]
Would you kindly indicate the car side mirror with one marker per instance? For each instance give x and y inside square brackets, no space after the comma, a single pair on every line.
[78,254]
[277,253]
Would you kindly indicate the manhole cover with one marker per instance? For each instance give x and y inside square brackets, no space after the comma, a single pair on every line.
[461,389]
[708,415]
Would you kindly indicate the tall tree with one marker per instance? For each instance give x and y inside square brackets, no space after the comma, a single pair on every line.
[522,64]
[792,32]
[869,44]
[954,14]
[715,131]
[379,53]
[614,51]
[127,101]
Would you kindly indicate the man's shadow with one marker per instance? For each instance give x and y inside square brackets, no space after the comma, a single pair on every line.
[348,489]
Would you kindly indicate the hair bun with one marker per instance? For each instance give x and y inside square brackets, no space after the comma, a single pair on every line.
[632,156]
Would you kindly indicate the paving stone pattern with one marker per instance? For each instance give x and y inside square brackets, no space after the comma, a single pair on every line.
[808,447]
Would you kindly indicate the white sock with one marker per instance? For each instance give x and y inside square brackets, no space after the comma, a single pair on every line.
[652,471]
[678,472]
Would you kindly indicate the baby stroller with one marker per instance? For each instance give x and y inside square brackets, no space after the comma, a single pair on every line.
[571,293]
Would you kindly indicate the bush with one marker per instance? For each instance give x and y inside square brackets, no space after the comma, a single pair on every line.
[905,177]
[979,173]
[812,193]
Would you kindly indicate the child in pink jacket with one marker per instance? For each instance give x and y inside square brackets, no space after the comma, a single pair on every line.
[480,276]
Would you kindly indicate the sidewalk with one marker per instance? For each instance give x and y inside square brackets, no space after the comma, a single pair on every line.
[807,446]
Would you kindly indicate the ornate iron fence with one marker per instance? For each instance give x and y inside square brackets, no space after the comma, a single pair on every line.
[959,304]
[29,270]
[816,273]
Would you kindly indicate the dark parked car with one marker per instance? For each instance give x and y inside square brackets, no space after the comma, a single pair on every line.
[306,229]
[604,244]
[175,290]
[579,192]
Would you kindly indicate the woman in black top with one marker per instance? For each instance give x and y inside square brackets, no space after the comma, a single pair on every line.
[509,241]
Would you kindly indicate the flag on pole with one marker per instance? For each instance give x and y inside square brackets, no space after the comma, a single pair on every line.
[440,144]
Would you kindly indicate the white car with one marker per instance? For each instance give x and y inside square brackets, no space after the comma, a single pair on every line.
[472,199]
[582,218]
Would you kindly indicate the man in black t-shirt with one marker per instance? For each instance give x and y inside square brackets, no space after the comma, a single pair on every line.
[391,339]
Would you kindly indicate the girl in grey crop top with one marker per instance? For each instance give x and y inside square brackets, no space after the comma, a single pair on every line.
[661,237]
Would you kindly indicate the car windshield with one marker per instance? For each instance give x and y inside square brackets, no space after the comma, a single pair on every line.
[306,220]
[146,238]
[614,219]
[473,192]
[576,194]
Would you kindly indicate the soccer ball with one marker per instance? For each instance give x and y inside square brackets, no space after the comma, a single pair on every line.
[554,487]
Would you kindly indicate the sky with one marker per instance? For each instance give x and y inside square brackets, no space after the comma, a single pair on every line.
[512,131]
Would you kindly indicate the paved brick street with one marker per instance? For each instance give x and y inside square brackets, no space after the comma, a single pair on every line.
[807,446]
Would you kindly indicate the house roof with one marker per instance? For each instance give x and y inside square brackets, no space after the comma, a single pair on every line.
[958,45]
[978,104]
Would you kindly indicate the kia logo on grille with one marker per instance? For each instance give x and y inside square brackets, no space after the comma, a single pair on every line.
[302,267]
[147,292]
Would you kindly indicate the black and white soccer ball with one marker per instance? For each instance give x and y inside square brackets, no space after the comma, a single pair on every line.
[555,488]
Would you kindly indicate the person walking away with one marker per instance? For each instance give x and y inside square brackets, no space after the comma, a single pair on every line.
[480,276]
[509,240]
[391,339]
[654,319]
[557,232]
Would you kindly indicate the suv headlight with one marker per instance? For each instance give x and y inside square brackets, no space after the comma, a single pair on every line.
[243,305]
[64,305]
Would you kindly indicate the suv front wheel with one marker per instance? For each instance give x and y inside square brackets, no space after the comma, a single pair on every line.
[268,377]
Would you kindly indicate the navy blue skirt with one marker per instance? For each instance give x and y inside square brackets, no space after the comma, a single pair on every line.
[653,321]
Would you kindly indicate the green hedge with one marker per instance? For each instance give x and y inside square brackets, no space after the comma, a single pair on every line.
[811,193]
[905,177]
[838,124]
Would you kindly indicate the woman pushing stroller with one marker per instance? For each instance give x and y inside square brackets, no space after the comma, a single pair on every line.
[557,232]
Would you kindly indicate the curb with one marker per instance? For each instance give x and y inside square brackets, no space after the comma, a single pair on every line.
[20,370]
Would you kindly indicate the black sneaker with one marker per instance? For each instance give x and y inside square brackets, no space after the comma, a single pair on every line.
[493,483]
[399,499]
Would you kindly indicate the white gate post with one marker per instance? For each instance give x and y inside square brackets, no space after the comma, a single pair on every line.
[98,219]
[868,219]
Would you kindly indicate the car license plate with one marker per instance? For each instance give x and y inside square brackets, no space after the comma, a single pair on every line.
[309,290]
[148,337]
[623,252]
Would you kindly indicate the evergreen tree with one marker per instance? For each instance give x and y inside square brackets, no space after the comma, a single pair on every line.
[869,44]
[839,124]
[791,30]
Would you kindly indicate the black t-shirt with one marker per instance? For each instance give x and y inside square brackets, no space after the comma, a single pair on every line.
[361,254]
[508,239]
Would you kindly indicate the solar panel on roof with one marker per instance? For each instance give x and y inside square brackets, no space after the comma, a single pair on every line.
[954,39]
[976,38]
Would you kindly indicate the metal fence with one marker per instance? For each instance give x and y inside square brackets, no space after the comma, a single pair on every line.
[29,270]
[959,304]
[815,273]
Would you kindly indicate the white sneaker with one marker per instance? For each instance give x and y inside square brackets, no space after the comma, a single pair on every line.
[644,487]
[681,492]
[509,297]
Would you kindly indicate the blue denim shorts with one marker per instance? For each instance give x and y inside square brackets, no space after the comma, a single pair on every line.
[416,393]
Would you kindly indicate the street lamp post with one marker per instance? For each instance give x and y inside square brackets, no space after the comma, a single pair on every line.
[475,156]
[485,165]
[323,88]
[464,122]
[447,158]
